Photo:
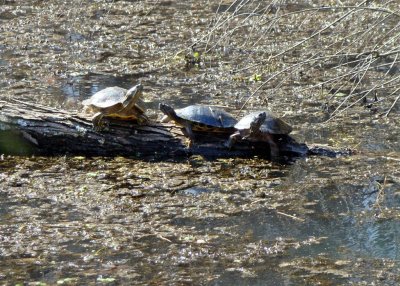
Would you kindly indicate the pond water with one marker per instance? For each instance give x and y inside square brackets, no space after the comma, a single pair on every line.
[116,221]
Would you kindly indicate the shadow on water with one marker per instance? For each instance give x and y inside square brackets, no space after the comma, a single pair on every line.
[14,143]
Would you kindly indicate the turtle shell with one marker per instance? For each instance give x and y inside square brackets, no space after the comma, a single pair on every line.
[106,98]
[207,115]
[272,124]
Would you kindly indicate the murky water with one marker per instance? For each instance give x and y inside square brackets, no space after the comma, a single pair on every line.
[118,221]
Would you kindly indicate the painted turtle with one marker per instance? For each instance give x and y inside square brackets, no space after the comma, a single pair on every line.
[260,126]
[116,102]
[200,118]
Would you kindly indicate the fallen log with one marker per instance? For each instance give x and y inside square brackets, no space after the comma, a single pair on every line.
[28,128]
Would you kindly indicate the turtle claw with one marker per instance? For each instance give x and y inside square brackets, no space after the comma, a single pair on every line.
[232,139]
[99,124]
[189,143]
[228,144]
[142,120]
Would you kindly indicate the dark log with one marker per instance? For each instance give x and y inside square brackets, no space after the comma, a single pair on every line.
[28,128]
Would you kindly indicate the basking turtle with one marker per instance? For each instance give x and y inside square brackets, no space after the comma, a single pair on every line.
[260,126]
[200,118]
[116,102]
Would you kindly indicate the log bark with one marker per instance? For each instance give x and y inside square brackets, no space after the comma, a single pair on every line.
[28,128]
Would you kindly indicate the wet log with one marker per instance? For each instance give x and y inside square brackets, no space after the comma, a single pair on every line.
[28,128]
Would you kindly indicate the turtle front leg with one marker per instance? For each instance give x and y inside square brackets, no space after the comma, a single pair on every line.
[233,139]
[274,149]
[188,131]
[98,125]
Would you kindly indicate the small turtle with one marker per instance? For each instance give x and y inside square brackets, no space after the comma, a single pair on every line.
[260,126]
[200,118]
[116,102]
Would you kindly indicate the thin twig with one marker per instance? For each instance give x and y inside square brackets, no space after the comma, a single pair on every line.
[390,109]
[351,92]
[328,26]
[288,215]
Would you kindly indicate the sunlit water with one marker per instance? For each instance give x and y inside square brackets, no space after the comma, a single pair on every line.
[338,224]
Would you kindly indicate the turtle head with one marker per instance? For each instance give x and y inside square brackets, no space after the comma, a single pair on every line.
[135,92]
[133,95]
[257,121]
[168,111]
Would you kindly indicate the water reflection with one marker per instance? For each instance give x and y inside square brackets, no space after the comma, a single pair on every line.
[179,92]
[75,37]
[83,86]
[381,239]
[195,191]
[88,230]
[12,143]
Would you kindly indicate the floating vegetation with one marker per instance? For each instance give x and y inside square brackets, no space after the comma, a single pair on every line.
[330,69]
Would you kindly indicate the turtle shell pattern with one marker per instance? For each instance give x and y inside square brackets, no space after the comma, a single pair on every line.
[106,98]
[272,124]
[206,117]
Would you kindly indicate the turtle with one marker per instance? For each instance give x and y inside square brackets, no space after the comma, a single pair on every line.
[200,118]
[260,126]
[116,102]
